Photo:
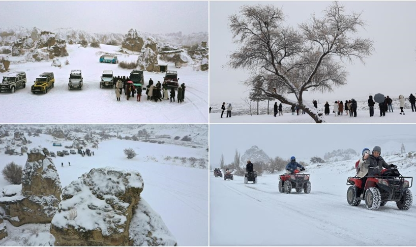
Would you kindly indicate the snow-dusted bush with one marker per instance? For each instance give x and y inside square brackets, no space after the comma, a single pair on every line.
[127,65]
[95,44]
[186,139]
[130,153]
[317,160]
[13,173]
[56,63]
[4,64]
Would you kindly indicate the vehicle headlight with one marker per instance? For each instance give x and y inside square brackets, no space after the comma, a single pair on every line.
[406,184]
[306,177]
[383,181]
[292,177]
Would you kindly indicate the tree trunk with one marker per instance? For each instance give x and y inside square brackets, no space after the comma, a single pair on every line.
[268,107]
[257,107]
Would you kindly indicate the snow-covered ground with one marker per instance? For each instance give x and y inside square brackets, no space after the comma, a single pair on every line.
[258,214]
[95,105]
[177,192]
[241,114]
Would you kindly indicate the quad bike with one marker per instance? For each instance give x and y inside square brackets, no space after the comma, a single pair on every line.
[217,172]
[228,175]
[250,176]
[389,185]
[298,181]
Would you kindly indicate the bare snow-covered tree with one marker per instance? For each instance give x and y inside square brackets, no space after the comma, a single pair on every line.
[222,161]
[130,153]
[284,60]
[403,149]
[237,160]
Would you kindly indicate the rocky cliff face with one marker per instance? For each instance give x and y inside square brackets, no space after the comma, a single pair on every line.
[98,208]
[3,229]
[254,154]
[40,195]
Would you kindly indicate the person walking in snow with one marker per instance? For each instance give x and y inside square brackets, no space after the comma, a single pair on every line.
[382,110]
[336,107]
[346,107]
[172,95]
[118,93]
[128,89]
[275,109]
[401,100]
[150,93]
[341,107]
[180,95]
[293,109]
[280,110]
[371,105]
[354,107]
[183,91]
[139,93]
[222,108]
[315,103]
[229,108]
[412,100]
[119,85]
[326,106]
[389,103]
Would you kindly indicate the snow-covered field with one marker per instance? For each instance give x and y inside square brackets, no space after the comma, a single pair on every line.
[241,114]
[258,214]
[95,105]
[177,192]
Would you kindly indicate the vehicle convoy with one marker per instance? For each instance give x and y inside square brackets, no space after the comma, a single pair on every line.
[13,81]
[171,79]
[75,80]
[297,181]
[107,79]
[250,177]
[136,76]
[43,83]
[217,172]
[389,185]
[108,58]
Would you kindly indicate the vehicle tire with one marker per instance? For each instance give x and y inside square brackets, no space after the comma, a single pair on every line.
[101,86]
[352,198]
[287,187]
[245,180]
[24,85]
[232,178]
[307,187]
[44,91]
[372,198]
[12,90]
[255,181]
[281,188]
[406,201]
[383,203]
[224,178]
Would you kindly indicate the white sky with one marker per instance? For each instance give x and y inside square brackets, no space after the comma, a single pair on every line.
[390,70]
[303,140]
[108,16]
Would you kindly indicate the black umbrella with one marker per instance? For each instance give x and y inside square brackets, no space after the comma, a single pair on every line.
[379,98]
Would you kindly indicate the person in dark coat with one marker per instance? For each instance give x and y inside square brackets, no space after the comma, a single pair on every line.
[341,107]
[249,166]
[183,91]
[280,109]
[210,109]
[326,108]
[222,108]
[346,107]
[354,107]
[293,165]
[128,88]
[389,104]
[293,109]
[172,95]
[132,90]
[315,103]
[139,93]
[275,109]
[412,100]
[371,105]
[375,163]
[180,100]
[150,81]
[382,108]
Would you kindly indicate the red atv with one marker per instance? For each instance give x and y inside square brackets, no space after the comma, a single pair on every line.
[298,181]
[389,185]
[228,175]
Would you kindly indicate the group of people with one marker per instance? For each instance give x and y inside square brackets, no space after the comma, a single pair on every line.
[277,109]
[349,107]
[223,108]
[290,167]
[387,105]
[154,92]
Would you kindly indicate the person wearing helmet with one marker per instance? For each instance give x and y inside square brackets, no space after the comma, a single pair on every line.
[249,166]
[375,163]
[293,165]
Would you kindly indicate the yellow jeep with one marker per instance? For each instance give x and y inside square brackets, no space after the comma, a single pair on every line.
[44,82]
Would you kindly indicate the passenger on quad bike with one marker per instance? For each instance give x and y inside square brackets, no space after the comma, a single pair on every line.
[249,166]
[376,162]
[293,165]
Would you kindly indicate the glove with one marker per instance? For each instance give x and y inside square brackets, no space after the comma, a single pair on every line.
[393,166]
[302,169]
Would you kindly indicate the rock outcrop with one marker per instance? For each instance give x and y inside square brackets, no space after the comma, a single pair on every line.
[40,195]
[103,207]
[3,229]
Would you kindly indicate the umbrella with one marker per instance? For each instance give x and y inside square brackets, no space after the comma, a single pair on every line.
[379,98]
[132,82]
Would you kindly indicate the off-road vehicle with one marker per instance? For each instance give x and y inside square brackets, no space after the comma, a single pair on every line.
[389,185]
[60,153]
[217,172]
[75,80]
[250,176]
[43,83]
[136,76]
[108,58]
[107,79]
[171,79]
[297,181]
[13,81]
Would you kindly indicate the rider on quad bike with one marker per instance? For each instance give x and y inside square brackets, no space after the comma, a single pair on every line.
[376,185]
[293,179]
[228,175]
[217,172]
[250,175]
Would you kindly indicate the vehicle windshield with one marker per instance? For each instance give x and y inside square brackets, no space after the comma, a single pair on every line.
[171,77]
[40,81]
[75,76]
[8,79]
[136,77]
[107,78]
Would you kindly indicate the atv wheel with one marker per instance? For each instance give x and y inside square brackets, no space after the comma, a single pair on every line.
[245,180]
[287,187]
[352,198]
[232,178]
[383,203]
[307,187]
[372,198]
[224,178]
[281,188]
[255,181]
[406,201]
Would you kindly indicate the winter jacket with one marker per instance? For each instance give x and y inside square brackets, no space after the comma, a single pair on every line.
[362,169]
[292,166]
[336,107]
[117,93]
[223,107]
[249,167]
[150,93]
[353,105]
[401,99]
[389,100]
[275,107]
[346,105]
[139,91]
[375,165]
[280,107]
[229,108]
[412,98]
[340,107]
[172,93]
[326,108]
[370,101]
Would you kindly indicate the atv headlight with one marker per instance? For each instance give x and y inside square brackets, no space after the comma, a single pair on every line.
[306,177]
[383,181]
[406,184]
[292,177]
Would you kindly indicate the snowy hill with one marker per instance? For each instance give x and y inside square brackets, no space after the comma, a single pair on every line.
[255,155]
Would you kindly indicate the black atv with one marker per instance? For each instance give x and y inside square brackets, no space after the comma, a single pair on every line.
[228,175]
[250,176]
[388,185]
[217,172]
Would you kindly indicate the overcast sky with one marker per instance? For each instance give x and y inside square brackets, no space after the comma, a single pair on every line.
[105,16]
[390,70]
[306,140]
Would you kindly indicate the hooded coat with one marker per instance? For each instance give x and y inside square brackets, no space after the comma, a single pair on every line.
[401,100]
